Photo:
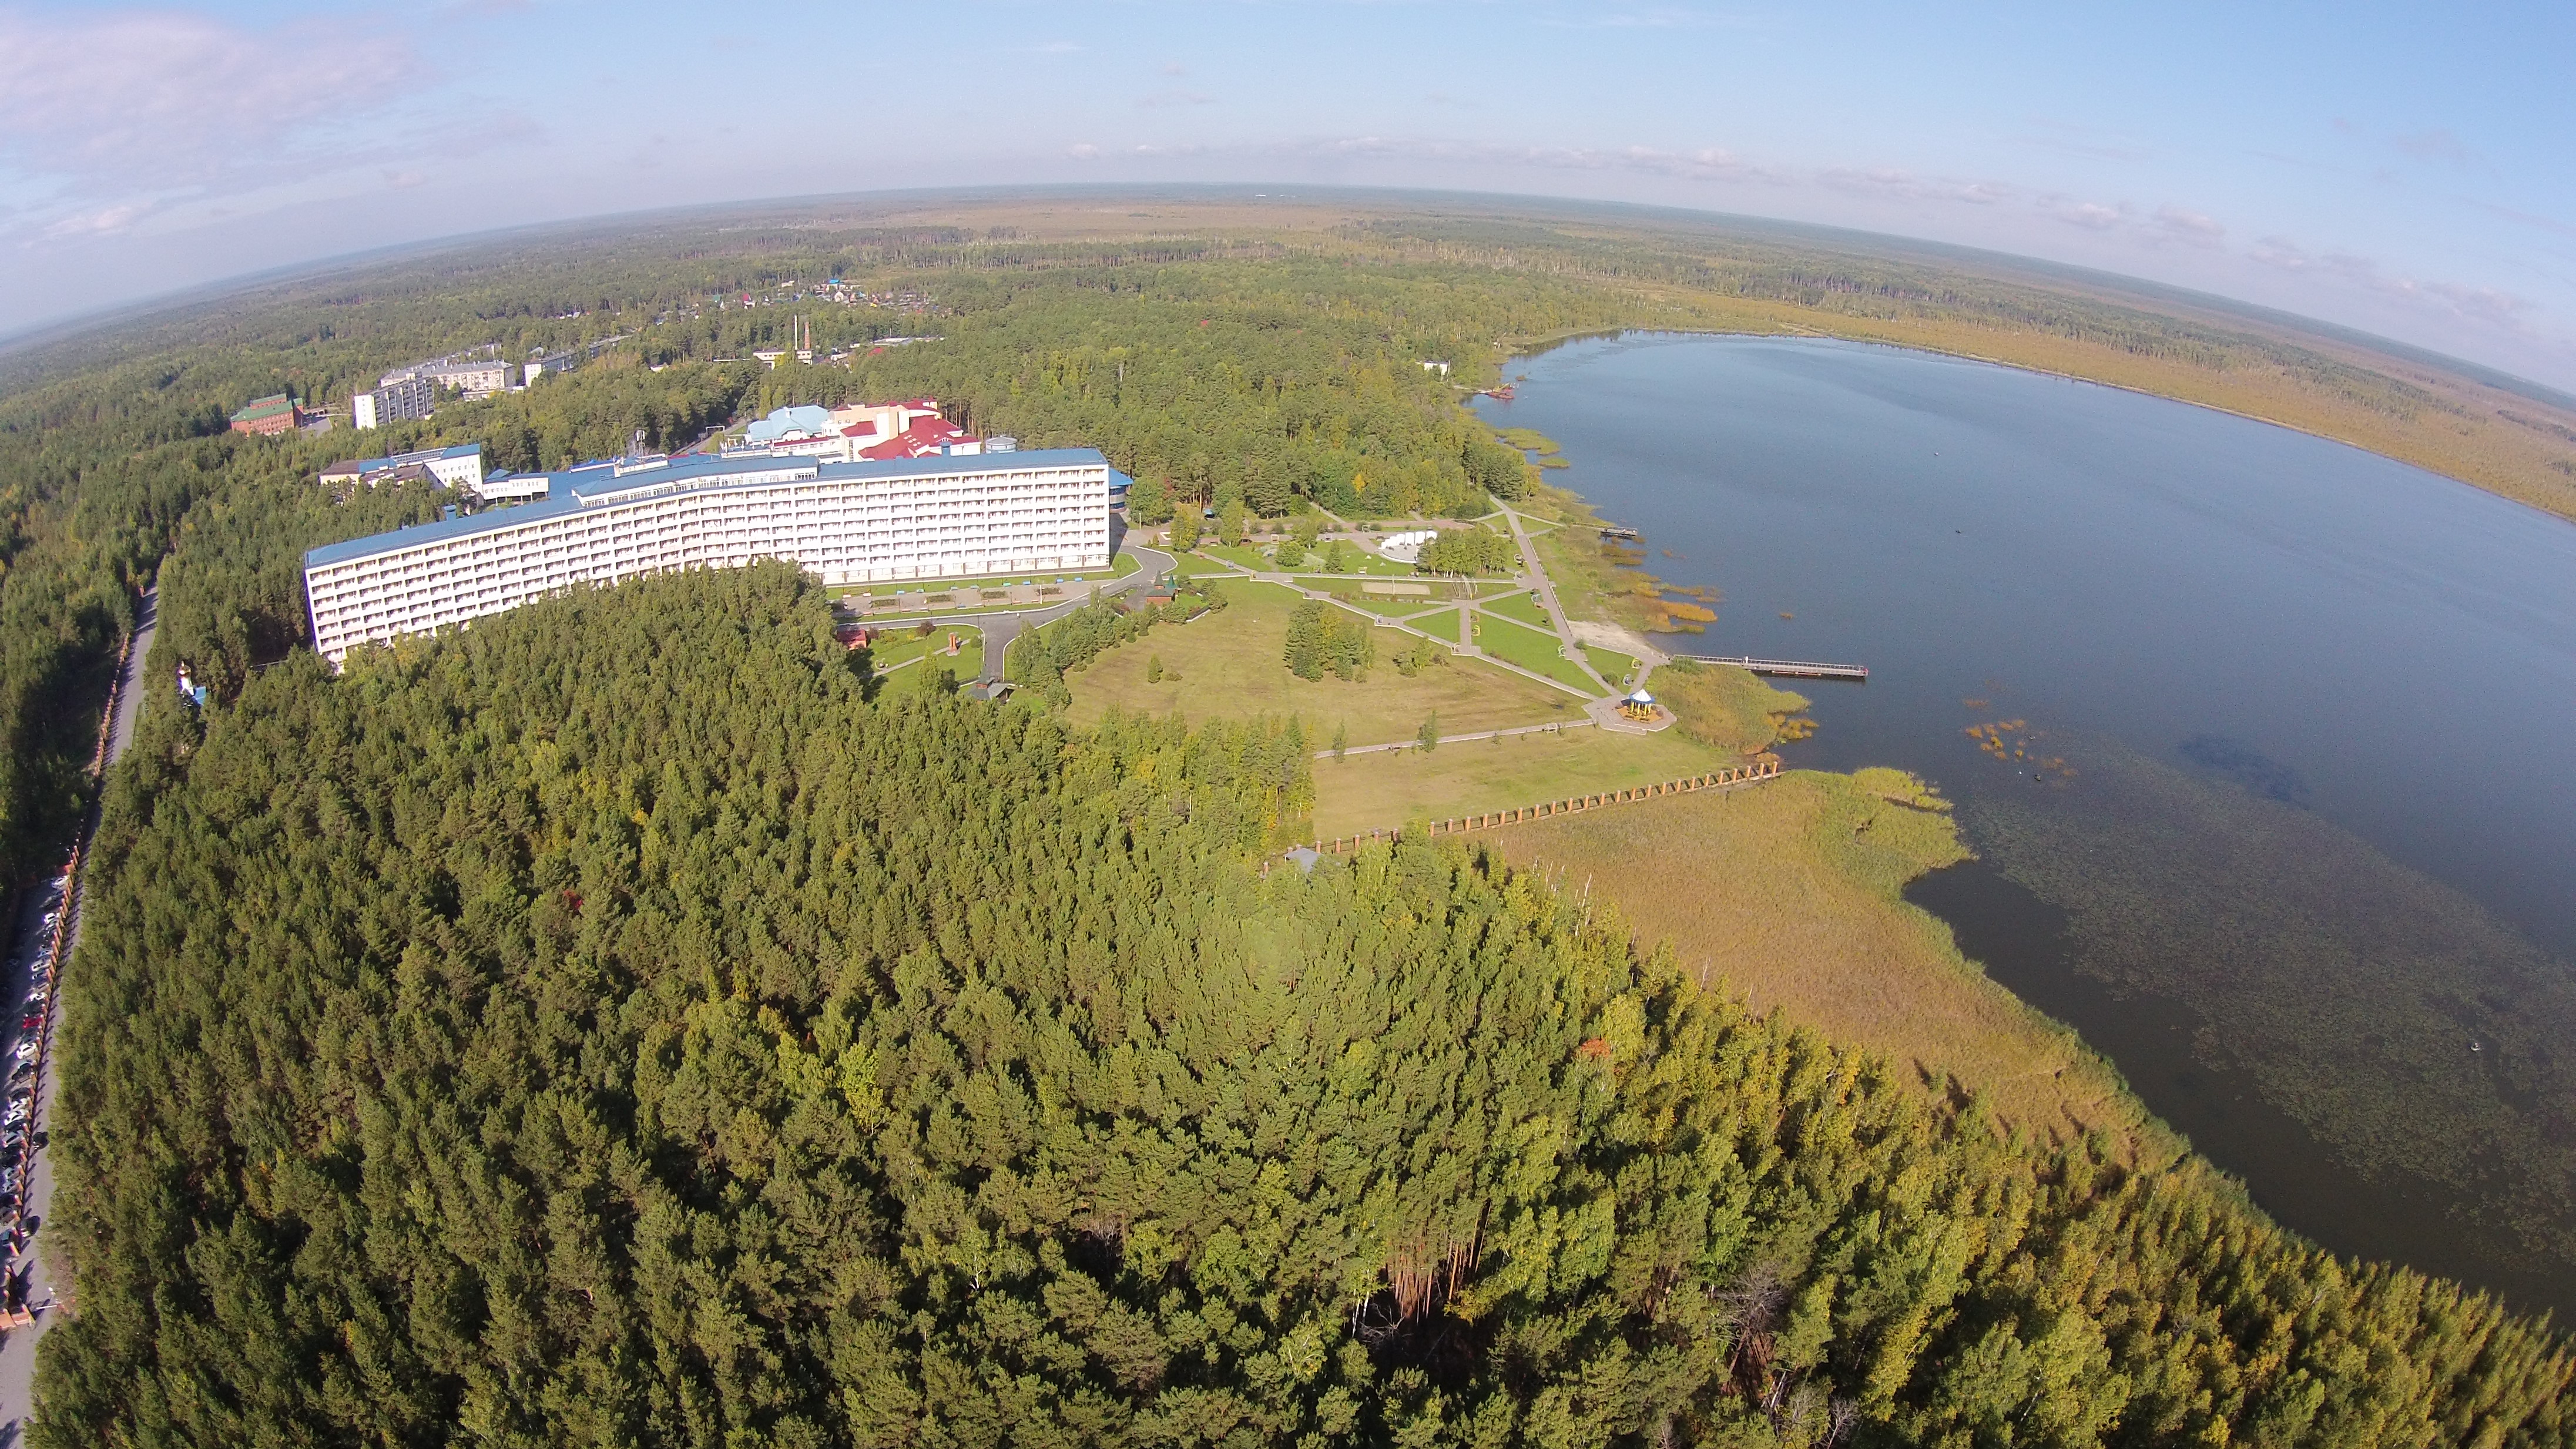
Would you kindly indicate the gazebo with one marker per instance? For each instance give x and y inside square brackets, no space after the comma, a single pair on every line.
[1639,705]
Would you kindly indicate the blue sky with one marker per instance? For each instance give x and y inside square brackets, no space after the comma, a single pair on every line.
[2403,169]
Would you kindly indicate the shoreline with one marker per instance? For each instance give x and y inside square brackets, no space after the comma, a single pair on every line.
[2289,1200]
[1517,349]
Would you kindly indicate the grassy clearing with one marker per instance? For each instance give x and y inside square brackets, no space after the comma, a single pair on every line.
[1531,650]
[1119,567]
[1528,440]
[1389,608]
[1229,666]
[1788,894]
[1250,558]
[1522,606]
[1364,792]
[1724,706]
[910,650]
[1610,664]
[1439,624]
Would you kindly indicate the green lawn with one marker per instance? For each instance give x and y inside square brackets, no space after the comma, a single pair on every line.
[1363,562]
[1246,557]
[1531,650]
[907,650]
[1439,624]
[1229,666]
[1386,790]
[1390,608]
[894,615]
[1521,606]
[1119,567]
[1610,664]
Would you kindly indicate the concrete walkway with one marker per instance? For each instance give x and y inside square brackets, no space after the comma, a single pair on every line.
[1545,587]
[1554,727]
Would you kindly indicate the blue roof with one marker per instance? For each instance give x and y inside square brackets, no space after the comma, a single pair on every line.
[811,421]
[370,465]
[566,489]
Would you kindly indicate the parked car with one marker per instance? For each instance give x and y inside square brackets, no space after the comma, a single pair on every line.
[32,1021]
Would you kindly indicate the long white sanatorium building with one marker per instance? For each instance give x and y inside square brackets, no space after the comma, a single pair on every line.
[850,523]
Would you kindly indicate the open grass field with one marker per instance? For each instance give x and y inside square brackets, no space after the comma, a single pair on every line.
[1787,894]
[1610,664]
[1724,706]
[1532,650]
[1439,624]
[1229,663]
[1364,792]
[1521,606]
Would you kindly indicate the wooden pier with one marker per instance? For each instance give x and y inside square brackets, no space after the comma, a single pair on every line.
[1730,779]
[1790,668]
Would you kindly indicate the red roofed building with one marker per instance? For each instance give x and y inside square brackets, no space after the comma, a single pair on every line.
[926,437]
[270,415]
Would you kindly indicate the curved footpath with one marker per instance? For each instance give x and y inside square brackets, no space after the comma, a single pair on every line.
[18,1348]
[1001,628]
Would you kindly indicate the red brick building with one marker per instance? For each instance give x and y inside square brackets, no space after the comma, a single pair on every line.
[270,415]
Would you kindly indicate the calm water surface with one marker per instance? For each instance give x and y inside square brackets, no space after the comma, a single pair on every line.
[2307,870]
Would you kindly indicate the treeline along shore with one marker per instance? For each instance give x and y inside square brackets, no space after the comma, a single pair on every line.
[637,1021]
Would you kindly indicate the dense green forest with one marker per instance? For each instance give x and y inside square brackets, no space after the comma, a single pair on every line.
[628,1022]
[612,1026]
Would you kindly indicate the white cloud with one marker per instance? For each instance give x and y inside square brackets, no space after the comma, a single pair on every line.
[2196,227]
[2492,306]
[141,98]
[1888,181]
[105,221]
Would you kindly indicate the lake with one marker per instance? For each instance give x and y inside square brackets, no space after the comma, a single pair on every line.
[2271,776]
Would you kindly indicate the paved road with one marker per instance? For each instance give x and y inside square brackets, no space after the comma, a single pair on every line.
[18,1349]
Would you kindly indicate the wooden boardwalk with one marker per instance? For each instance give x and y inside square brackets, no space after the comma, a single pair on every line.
[1736,778]
[1792,668]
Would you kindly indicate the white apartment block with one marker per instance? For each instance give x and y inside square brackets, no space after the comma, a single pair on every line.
[849,523]
[479,377]
[399,397]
